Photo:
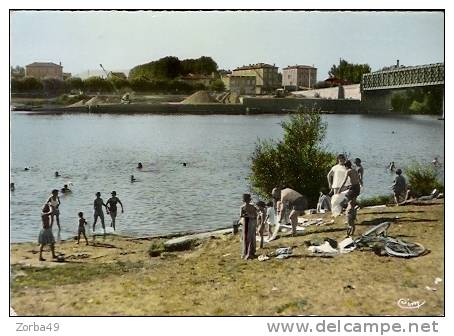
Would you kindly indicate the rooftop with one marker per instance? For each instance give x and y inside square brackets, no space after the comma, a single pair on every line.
[256,66]
[44,64]
[299,67]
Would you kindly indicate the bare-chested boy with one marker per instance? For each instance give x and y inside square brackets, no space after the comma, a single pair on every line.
[352,193]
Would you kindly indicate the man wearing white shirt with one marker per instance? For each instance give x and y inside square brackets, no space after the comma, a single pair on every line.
[337,175]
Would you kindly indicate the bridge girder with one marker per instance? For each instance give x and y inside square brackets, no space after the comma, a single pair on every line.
[405,77]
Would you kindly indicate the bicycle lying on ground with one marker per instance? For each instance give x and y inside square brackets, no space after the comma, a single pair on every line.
[377,238]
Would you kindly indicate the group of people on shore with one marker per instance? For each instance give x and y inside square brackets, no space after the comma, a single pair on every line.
[345,181]
[50,213]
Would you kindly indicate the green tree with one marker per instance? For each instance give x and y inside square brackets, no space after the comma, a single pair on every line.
[425,100]
[171,67]
[53,85]
[119,83]
[97,84]
[74,83]
[165,68]
[30,84]
[299,161]
[217,85]
[349,71]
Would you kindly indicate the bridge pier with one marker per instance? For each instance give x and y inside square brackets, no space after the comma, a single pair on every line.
[376,101]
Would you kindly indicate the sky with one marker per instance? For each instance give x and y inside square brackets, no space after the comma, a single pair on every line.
[120,40]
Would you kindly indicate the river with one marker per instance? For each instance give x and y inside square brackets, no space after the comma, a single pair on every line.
[100,152]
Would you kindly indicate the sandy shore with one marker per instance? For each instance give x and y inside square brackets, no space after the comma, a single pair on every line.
[117,275]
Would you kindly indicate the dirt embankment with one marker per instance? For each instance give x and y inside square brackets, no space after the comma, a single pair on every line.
[116,276]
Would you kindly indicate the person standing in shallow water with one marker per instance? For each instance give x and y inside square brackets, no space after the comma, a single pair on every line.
[399,187]
[248,218]
[98,203]
[46,236]
[112,207]
[54,202]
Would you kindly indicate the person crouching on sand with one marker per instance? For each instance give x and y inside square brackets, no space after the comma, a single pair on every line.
[46,237]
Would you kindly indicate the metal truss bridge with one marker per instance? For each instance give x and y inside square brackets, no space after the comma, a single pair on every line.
[404,77]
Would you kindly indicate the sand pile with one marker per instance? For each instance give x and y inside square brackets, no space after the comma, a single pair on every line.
[229,98]
[79,103]
[200,97]
[94,101]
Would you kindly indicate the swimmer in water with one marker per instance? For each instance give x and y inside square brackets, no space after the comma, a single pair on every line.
[435,162]
[133,179]
[184,164]
[65,189]
[139,165]
[26,169]
[57,174]
[392,166]
[12,187]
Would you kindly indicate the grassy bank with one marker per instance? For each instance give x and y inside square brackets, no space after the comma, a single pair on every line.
[116,276]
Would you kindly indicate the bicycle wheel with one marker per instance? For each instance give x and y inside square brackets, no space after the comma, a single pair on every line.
[398,248]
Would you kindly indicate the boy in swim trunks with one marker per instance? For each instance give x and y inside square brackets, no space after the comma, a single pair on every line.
[351,195]
[81,229]
[112,207]
[98,203]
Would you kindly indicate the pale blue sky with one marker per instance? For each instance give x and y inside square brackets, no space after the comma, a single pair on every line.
[121,40]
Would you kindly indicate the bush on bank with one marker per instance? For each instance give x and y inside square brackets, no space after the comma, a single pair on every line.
[423,178]
[298,161]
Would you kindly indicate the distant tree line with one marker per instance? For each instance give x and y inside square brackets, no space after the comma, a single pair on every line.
[424,100]
[161,76]
[96,84]
[171,67]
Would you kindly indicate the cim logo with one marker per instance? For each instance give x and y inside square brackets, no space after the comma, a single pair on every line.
[409,304]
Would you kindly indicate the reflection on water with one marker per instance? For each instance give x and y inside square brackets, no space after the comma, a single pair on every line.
[100,153]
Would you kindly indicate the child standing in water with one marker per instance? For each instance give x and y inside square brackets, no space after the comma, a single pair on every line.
[81,230]
[54,202]
[46,236]
[399,187]
[248,217]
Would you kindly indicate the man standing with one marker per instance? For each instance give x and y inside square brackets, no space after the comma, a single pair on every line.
[337,175]
[112,207]
[97,207]
[360,170]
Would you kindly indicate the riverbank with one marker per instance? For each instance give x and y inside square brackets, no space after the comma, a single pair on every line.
[117,276]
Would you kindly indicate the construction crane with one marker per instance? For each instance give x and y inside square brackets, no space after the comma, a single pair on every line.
[125,99]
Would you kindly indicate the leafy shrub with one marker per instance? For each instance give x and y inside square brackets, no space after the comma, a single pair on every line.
[156,248]
[298,162]
[423,178]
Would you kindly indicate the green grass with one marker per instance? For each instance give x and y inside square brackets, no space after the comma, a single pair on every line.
[69,274]
[156,248]
[376,200]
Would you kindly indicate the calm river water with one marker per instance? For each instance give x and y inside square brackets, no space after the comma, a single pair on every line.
[99,153]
